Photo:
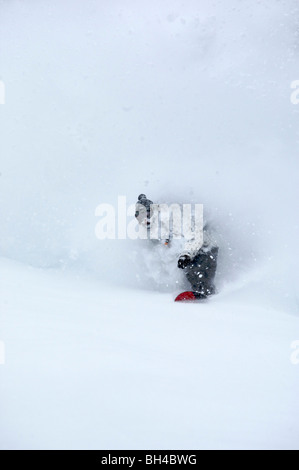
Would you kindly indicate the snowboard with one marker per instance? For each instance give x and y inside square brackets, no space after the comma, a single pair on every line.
[189,296]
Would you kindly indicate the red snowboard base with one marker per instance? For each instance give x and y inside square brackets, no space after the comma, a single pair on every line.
[187,296]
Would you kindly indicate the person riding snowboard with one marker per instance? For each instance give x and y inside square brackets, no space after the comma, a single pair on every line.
[197,254]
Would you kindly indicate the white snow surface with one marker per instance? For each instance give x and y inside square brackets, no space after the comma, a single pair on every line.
[92,366]
[185,102]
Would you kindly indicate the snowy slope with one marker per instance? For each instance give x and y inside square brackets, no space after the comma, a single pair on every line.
[91,366]
[186,102]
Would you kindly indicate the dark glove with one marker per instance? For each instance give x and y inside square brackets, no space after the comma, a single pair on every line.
[184,261]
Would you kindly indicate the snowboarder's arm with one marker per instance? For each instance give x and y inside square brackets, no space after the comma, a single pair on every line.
[193,244]
[200,240]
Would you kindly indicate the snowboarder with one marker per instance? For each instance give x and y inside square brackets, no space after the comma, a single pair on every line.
[198,258]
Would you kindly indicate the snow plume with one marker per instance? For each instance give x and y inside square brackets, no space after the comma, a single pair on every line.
[185,102]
